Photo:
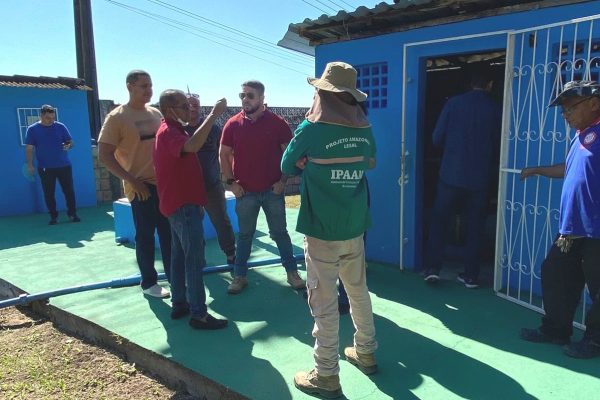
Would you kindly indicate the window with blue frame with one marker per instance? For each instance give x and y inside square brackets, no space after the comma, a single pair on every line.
[373,80]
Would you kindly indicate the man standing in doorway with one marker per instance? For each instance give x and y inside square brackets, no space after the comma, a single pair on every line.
[215,193]
[51,141]
[125,147]
[468,129]
[250,155]
[574,259]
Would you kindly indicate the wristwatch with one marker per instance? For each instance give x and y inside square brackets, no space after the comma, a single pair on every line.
[229,181]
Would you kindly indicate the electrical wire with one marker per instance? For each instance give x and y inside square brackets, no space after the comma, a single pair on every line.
[224,26]
[326,5]
[340,7]
[150,16]
[349,5]
[312,5]
[228,39]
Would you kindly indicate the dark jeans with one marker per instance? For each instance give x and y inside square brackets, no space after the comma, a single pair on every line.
[446,201]
[146,219]
[188,262]
[247,208]
[563,278]
[217,212]
[48,176]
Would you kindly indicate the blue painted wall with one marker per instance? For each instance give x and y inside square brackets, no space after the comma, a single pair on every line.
[19,196]
[384,236]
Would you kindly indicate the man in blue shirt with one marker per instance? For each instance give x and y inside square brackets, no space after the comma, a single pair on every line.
[51,141]
[209,159]
[574,259]
[468,129]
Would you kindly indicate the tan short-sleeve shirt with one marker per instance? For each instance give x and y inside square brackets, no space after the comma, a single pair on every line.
[133,132]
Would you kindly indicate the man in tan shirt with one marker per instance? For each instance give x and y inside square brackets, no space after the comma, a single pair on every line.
[125,147]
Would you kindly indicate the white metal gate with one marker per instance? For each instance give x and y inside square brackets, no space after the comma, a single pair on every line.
[539,62]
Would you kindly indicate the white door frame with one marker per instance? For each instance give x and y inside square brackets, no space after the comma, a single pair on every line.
[405,156]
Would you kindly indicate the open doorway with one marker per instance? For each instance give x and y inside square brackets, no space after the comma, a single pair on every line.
[449,76]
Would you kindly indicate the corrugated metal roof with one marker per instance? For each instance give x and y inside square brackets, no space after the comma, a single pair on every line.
[404,15]
[43,82]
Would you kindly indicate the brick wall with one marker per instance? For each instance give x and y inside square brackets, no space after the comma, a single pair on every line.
[108,186]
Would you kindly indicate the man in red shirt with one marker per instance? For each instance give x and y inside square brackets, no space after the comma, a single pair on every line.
[182,194]
[252,144]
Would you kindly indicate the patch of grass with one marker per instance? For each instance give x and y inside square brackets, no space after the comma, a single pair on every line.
[37,361]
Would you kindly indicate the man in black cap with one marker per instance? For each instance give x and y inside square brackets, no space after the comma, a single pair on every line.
[574,259]
[51,141]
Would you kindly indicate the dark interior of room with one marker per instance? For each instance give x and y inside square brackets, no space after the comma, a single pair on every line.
[448,76]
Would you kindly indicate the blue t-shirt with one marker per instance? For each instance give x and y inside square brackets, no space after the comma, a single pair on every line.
[48,142]
[469,131]
[580,199]
[209,154]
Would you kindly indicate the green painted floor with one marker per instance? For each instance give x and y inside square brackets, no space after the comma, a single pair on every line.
[445,342]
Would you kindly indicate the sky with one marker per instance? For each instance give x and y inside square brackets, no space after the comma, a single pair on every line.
[38,39]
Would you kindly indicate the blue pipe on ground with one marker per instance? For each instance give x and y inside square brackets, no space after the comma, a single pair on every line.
[127,281]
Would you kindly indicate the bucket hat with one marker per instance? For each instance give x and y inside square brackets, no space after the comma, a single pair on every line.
[338,77]
[577,88]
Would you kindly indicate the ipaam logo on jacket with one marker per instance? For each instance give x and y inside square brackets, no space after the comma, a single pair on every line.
[348,178]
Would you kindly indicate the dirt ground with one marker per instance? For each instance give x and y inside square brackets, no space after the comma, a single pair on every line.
[38,361]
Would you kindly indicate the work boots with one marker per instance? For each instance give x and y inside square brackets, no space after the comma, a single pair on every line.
[312,383]
[365,362]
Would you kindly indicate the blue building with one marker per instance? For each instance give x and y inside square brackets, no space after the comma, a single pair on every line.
[20,100]
[411,56]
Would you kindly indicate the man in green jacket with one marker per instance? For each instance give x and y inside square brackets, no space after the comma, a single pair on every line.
[332,149]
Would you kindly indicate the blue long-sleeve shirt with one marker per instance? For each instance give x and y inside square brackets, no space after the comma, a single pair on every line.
[468,130]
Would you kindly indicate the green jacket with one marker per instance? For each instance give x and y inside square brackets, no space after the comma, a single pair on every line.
[333,191]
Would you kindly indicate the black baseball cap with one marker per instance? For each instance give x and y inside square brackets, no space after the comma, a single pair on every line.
[577,88]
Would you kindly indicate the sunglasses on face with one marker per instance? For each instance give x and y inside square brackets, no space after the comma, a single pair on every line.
[48,112]
[194,95]
[250,96]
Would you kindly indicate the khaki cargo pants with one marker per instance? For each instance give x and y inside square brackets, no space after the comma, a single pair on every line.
[325,262]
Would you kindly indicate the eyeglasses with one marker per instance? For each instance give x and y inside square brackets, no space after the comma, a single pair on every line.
[569,110]
[250,96]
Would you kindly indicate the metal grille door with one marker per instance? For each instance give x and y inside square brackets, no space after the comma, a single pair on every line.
[539,62]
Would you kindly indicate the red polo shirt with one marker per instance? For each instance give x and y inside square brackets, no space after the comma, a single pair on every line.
[256,149]
[179,178]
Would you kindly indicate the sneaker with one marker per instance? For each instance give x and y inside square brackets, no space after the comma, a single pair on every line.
[432,276]
[180,311]
[586,348]
[156,291]
[237,285]
[208,323]
[469,283]
[293,278]
[53,221]
[312,383]
[74,218]
[365,362]
[537,336]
